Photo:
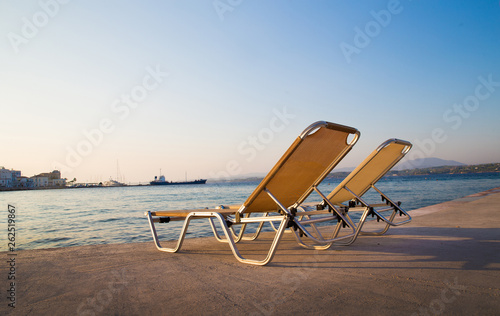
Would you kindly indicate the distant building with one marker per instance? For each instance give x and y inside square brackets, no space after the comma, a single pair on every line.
[25,182]
[5,178]
[56,174]
[40,181]
[49,179]
[8,178]
[16,174]
[57,182]
[13,179]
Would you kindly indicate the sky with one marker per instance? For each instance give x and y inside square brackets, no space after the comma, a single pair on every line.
[211,89]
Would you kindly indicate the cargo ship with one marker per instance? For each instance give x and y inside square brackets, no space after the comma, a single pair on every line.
[161,181]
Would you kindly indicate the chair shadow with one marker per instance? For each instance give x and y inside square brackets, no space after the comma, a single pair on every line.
[468,248]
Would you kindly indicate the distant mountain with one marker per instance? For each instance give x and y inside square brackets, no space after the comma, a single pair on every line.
[426,163]
[256,176]
[344,169]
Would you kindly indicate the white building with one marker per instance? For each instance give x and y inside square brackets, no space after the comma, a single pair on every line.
[57,182]
[13,179]
[5,178]
[24,182]
[8,178]
[40,181]
[49,179]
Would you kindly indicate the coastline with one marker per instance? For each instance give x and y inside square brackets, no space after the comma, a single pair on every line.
[86,187]
[447,260]
[445,170]
[64,188]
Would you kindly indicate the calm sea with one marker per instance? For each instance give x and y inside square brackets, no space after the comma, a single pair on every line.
[74,217]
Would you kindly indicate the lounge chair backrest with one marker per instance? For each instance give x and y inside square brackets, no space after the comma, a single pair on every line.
[306,163]
[370,170]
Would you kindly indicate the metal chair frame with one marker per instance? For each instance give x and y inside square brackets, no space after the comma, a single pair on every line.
[377,210]
[262,201]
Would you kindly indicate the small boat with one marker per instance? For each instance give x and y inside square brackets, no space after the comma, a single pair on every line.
[113,183]
[161,181]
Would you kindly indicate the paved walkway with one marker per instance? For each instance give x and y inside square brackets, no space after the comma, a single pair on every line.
[446,261]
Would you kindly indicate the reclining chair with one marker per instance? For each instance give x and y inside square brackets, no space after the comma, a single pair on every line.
[347,196]
[276,199]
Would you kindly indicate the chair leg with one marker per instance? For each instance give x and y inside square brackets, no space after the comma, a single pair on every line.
[255,235]
[237,236]
[313,226]
[359,227]
[214,230]
[396,209]
[384,230]
[235,250]
[240,235]
[156,239]
[326,243]
[323,244]
[389,221]
[296,234]
[315,230]
[229,238]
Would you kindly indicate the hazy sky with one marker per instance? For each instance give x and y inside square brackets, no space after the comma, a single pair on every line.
[224,87]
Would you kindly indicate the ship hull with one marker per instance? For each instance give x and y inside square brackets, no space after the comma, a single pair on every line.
[201,181]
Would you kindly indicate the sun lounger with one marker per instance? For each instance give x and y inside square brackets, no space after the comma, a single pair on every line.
[303,166]
[348,194]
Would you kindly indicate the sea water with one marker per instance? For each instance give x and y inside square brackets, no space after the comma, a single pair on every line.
[86,216]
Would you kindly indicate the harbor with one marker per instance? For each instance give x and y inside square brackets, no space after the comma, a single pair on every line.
[13,180]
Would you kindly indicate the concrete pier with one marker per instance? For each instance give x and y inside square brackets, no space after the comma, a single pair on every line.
[445,262]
